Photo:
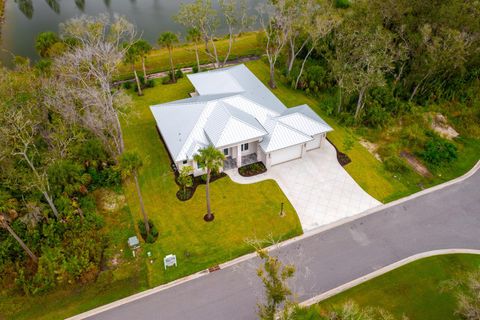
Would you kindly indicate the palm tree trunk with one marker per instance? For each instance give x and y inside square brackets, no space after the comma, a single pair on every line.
[144,69]
[142,206]
[139,86]
[20,241]
[171,65]
[207,190]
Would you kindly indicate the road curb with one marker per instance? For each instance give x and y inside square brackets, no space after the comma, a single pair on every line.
[381,271]
[304,236]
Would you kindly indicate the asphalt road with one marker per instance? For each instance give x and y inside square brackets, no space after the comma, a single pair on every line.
[444,219]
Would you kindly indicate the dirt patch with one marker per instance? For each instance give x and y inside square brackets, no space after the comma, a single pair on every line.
[439,124]
[371,147]
[110,201]
[415,164]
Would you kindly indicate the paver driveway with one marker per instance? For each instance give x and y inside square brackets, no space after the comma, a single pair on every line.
[317,186]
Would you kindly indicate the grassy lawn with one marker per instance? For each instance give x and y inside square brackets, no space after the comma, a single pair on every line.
[184,55]
[241,211]
[417,290]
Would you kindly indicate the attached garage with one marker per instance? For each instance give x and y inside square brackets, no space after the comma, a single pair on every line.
[287,154]
[316,142]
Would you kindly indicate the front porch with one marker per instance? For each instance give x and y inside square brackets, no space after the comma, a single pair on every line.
[231,163]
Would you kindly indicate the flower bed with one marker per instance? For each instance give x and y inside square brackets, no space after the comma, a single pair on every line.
[252,169]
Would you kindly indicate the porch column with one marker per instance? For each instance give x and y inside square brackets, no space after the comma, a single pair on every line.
[239,156]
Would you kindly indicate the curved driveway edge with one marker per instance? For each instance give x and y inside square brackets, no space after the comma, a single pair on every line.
[444,217]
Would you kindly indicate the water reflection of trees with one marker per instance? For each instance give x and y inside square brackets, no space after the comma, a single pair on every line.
[80,4]
[26,7]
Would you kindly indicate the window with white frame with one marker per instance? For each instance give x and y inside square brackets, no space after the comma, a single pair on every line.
[225,151]
[244,147]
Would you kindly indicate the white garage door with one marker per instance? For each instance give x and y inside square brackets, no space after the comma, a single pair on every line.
[286,154]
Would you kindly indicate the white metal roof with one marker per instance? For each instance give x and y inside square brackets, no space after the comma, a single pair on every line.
[282,136]
[233,106]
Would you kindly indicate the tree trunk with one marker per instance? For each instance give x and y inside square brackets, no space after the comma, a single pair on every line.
[20,241]
[339,108]
[51,204]
[271,82]
[207,190]
[303,66]
[139,86]
[291,58]
[360,102]
[144,69]
[230,43]
[215,53]
[171,65]
[142,207]
[197,56]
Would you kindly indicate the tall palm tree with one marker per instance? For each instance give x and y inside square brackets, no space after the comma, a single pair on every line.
[194,35]
[212,160]
[143,49]
[7,205]
[168,40]
[130,163]
[131,56]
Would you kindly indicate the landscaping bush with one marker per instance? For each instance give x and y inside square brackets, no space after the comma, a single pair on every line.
[195,69]
[252,169]
[395,164]
[438,150]
[166,80]
[153,236]
[150,83]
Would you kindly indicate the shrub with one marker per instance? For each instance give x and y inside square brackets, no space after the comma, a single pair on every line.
[150,83]
[166,80]
[152,237]
[195,69]
[438,150]
[395,164]
[179,74]
[343,4]
[127,85]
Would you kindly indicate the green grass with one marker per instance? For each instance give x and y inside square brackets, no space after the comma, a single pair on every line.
[241,211]
[184,55]
[417,290]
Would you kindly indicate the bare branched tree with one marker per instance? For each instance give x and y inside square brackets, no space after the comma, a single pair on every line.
[82,90]
[275,24]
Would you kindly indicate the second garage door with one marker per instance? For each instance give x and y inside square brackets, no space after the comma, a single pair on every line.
[287,154]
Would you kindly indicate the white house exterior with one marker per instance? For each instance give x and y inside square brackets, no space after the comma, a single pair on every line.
[237,114]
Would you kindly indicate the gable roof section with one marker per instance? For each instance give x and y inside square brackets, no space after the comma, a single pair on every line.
[227,125]
[215,82]
[307,111]
[282,136]
[304,123]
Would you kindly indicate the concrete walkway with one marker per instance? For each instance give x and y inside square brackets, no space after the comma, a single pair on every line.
[446,218]
[318,187]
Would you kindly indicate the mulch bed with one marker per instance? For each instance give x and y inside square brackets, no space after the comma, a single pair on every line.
[342,158]
[185,196]
[252,169]
[196,182]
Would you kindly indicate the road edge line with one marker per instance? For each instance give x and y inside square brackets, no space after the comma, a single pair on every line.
[344,287]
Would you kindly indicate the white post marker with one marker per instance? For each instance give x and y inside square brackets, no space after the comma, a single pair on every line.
[169,261]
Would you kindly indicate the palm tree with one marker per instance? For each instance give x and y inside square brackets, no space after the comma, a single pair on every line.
[143,49]
[193,35]
[130,163]
[7,206]
[44,42]
[168,40]
[131,56]
[212,160]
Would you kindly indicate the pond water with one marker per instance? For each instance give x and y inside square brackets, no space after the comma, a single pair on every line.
[25,19]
